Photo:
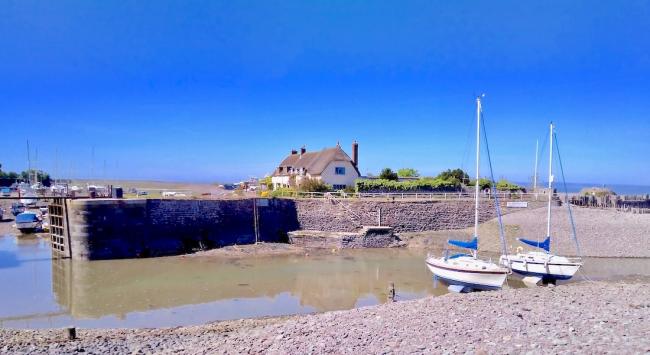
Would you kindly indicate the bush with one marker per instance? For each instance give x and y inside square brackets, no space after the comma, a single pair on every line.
[505,185]
[425,184]
[483,183]
[597,191]
[313,185]
[283,191]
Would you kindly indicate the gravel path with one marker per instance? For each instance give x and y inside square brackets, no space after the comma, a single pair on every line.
[601,233]
[578,318]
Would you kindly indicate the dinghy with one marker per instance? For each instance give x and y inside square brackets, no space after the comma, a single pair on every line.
[465,272]
[544,266]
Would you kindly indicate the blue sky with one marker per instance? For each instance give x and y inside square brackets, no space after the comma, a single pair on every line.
[210,90]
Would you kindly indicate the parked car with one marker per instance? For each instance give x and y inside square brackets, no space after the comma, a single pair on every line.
[6,191]
[143,193]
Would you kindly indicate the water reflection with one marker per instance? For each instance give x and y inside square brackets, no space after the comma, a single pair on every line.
[321,283]
[40,292]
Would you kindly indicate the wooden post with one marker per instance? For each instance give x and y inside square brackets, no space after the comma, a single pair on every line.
[256,221]
[72,333]
[391,292]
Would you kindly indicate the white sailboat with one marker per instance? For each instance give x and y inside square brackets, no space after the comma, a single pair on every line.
[463,272]
[543,266]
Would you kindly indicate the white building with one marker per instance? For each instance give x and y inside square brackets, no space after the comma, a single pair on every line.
[330,165]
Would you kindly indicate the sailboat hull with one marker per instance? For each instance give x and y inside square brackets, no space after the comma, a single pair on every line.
[468,272]
[548,267]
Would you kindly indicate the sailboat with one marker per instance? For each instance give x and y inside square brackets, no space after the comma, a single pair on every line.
[543,265]
[464,272]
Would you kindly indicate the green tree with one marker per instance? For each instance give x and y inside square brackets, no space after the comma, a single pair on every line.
[459,174]
[388,174]
[407,172]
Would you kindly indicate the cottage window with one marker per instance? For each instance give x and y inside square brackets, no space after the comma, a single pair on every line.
[339,187]
[339,170]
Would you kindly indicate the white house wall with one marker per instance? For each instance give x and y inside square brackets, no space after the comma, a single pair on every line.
[280,181]
[329,174]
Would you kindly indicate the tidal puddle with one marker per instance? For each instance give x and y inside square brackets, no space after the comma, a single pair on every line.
[40,292]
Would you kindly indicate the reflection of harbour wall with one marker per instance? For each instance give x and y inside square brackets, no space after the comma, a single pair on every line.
[119,287]
[116,228]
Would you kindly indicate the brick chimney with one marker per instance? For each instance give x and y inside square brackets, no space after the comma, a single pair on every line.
[355,154]
[303,150]
[293,151]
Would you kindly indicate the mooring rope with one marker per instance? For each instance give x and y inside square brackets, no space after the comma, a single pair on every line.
[574,234]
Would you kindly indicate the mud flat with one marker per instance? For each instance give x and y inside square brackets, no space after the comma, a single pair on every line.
[251,250]
[601,233]
[577,318]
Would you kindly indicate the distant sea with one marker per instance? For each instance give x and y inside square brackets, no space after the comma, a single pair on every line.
[573,187]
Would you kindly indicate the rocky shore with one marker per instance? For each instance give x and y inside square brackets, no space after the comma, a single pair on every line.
[577,318]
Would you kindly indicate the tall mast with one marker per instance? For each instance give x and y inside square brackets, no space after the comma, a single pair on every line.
[536,156]
[36,166]
[29,166]
[550,181]
[478,152]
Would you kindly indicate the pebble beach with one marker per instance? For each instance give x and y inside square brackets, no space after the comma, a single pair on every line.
[587,317]
[601,232]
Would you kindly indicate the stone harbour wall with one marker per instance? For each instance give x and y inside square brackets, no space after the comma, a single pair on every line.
[116,228]
[367,237]
[403,216]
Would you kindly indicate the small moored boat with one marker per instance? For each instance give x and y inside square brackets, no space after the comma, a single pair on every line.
[17,208]
[463,272]
[544,266]
[29,222]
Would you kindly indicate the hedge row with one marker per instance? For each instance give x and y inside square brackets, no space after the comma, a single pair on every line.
[375,185]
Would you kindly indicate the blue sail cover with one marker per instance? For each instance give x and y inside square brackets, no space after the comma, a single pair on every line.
[472,244]
[546,244]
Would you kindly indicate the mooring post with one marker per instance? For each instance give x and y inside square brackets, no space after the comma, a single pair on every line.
[391,292]
[379,216]
[72,333]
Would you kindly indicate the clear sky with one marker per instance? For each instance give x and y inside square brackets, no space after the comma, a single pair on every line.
[222,90]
